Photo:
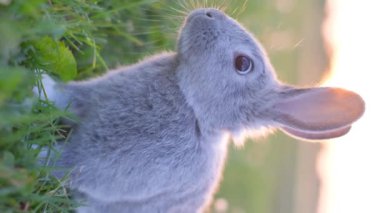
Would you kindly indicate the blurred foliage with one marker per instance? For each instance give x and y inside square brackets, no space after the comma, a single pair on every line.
[71,39]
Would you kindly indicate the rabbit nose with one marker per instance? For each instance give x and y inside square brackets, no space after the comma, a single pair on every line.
[205,14]
[213,13]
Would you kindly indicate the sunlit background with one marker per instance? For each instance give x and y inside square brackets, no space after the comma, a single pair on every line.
[350,165]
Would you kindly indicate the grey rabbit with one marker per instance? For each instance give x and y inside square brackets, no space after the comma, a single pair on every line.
[153,136]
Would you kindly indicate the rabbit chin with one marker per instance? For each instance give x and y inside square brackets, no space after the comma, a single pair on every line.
[239,137]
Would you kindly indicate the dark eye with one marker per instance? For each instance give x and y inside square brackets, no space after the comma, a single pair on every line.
[243,64]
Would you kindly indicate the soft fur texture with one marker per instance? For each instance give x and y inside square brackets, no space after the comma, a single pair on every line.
[152,137]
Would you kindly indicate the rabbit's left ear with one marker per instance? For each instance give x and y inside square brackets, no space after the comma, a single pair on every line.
[318,113]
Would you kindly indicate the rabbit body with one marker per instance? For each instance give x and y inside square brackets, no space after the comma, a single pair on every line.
[142,151]
[152,137]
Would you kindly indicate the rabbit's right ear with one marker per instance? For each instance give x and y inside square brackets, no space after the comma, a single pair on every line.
[52,91]
[47,88]
[317,113]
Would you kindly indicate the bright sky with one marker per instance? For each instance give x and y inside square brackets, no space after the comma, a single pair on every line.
[351,164]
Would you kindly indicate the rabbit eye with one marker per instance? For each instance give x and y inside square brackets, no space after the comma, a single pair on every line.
[243,64]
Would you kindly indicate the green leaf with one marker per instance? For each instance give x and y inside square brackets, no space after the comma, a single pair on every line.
[55,57]
[8,159]
[13,83]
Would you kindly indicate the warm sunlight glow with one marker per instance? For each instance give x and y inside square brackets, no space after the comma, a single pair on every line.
[350,166]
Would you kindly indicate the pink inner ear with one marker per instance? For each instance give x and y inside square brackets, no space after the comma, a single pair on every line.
[319,109]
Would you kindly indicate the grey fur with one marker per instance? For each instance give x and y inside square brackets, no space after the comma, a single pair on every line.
[152,137]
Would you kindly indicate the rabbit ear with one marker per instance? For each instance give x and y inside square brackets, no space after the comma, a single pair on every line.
[318,113]
[316,135]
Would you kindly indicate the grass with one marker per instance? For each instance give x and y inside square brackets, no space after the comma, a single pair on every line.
[69,39]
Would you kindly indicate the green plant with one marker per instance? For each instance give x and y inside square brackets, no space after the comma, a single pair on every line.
[70,39]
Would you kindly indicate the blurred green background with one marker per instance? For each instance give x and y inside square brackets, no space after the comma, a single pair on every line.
[77,39]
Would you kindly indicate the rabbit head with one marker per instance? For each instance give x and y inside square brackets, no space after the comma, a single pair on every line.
[228,80]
